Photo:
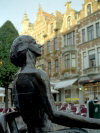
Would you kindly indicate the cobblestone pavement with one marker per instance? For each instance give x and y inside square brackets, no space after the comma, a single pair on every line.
[93,131]
[57,127]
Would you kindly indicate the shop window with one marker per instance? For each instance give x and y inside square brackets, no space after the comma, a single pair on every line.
[90,33]
[92,60]
[88,9]
[97,29]
[56,65]
[67,94]
[83,35]
[0,99]
[92,92]
[67,61]
[56,43]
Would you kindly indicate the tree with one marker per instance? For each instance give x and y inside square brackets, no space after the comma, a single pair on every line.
[7,70]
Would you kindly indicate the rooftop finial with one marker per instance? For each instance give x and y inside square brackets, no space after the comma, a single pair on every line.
[68,4]
[25,17]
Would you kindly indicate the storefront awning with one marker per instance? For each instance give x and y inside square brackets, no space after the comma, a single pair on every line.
[65,83]
[1,88]
[54,91]
[87,79]
[2,95]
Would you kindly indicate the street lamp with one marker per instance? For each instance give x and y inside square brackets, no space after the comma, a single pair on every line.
[0,62]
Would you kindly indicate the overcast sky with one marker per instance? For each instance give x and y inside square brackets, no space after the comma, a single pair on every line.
[14,10]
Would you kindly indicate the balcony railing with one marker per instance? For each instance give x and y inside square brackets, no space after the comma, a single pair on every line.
[68,48]
[69,72]
[91,70]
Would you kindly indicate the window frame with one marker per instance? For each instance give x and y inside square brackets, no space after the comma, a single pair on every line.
[90,32]
[97,29]
[49,46]
[55,43]
[83,36]
[56,65]
[67,61]
[92,58]
[89,9]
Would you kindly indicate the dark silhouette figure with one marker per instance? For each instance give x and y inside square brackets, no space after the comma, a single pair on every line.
[32,94]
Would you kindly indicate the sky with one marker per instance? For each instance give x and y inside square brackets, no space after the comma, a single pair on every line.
[14,10]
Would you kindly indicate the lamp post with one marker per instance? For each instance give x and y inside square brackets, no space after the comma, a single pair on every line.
[0,62]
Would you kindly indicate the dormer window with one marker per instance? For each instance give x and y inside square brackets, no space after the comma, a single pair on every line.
[88,9]
[68,21]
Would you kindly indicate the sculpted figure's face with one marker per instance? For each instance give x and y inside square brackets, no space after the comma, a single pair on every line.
[36,48]
[20,47]
[26,42]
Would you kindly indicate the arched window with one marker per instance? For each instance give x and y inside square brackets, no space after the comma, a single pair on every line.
[68,21]
[88,9]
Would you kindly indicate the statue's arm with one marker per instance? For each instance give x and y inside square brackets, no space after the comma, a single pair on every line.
[63,118]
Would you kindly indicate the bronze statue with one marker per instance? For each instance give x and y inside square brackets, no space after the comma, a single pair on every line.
[32,92]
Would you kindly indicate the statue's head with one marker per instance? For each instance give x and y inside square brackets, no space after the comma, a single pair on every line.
[19,48]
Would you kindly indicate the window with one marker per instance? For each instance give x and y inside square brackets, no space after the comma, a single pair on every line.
[83,35]
[92,60]
[69,38]
[56,65]
[56,44]
[73,60]
[67,61]
[68,94]
[65,40]
[98,51]
[88,9]
[97,29]
[42,66]
[73,37]
[90,33]
[68,21]
[42,50]
[85,62]
[49,47]
[49,68]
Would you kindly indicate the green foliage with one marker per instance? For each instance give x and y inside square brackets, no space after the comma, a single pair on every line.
[7,34]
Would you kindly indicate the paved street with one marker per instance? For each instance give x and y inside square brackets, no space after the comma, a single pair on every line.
[57,127]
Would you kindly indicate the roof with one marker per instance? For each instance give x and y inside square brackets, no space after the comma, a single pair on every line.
[48,15]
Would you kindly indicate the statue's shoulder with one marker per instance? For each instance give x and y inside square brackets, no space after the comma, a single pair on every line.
[43,75]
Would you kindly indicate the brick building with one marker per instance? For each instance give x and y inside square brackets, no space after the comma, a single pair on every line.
[70,50]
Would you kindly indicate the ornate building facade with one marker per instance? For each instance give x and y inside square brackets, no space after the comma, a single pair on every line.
[70,50]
